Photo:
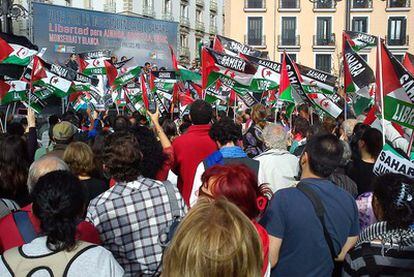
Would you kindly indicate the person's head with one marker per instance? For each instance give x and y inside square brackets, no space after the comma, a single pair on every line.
[225,131]
[73,57]
[71,117]
[153,156]
[63,132]
[316,129]
[59,202]
[238,184]
[123,58]
[147,66]
[15,129]
[259,114]
[201,112]
[114,59]
[154,68]
[370,142]
[122,157]
[347,128]
[300,127]
[14,166]
[43,166]
[329,124]
[121,123]
[215,239]
[303,111]
[170,128]
[321,156]
[346,153]
[79,157]
[393,200]
[275,136]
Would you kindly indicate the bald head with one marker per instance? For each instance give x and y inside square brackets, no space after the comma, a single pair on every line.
[42,167]
[274,136]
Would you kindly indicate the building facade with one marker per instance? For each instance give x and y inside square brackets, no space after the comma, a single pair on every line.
[199,20]
[312,32]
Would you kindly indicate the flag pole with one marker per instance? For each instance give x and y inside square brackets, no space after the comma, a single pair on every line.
[5,117]
[410,144]
[381,86]
[1,126]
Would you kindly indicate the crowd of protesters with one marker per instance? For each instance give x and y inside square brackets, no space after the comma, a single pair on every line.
[101,194]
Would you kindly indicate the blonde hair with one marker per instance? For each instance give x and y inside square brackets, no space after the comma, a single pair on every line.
[79,157]
[259,114]
[215,239]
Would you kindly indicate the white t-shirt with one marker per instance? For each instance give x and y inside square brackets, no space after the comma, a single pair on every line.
[96,261]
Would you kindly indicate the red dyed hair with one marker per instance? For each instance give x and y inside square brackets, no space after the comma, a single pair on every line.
[238,184]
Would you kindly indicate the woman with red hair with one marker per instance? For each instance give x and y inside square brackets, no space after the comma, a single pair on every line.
[238,184]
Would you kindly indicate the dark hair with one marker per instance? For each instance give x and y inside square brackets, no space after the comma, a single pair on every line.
[53,119]
[153,156]
[122,156]
[357,133]
[121,123]
[373,141]
[15,129]
[184,127]
[59,201]
[225,131]
[201,112]
[97,144]
[324,154]
[169,127]
[395,194]
[301,126]
[147,63]
[316,130]
[14,167]
[303,107]
[71,117]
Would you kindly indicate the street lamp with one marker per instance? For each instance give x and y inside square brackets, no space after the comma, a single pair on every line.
[10,11]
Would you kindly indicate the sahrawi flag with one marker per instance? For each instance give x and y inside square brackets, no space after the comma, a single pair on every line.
[12,91]
[42,77]
[231,47]
[266,77]
[408,62]
[360,40]
[125,78]
[13,53]
[214,64]
[285,89]
[397,105]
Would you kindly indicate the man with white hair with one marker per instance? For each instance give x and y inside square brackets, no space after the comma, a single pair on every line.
[278,167]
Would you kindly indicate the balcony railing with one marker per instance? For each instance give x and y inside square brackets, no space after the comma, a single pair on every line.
[185,51]
[361,4]
[148,11]
[185,21]
[398,4]
[199,26]
[213,5]
[292,41]
[255,4]
[167,16]
[328,40]
[255,41]
[289,4]
[327,4]
[213,29]
[402,41]
[200,3]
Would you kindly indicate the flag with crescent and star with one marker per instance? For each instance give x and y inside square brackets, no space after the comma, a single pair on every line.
[13,53]
[12,91]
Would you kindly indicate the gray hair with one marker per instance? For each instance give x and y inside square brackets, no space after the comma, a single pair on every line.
[346,154]
[43,166]
[275,136]
[348,126]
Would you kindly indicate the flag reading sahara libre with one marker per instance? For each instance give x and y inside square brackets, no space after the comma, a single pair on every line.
[398,106]
[236,68]
[359,40]
[231,47]
[390,161]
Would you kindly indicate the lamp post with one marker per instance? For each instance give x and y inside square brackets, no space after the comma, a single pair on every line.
[9,12]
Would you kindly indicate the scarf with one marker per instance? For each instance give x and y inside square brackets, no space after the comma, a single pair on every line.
[232,152]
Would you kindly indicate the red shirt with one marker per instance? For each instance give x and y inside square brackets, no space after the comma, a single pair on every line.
[189,150]
[162,174]
[264,237]
[10,236]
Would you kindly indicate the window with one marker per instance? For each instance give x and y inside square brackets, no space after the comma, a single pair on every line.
[324,31]
[288,4]
[199,15]
[167,7]
[398,3]
[397,30]
[254,30]
[360,24]
[364,57]
[323,62]
[184,11]
[361,4]
[254,4]
[326,4]
[148,3]
[291,55]
[288,30]
[184,40]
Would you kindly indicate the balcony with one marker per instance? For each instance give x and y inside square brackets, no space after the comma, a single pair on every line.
[167,16]
[256,42]
[361,5]
[148,11]
[184,21]
[254,5]
[291,42]
[184,51]
[324,6]
[111,7]
[200,3]
[213,29]
[328,41]
[199,26]
[289,5]
[398,5]
[402,42]
[213,5]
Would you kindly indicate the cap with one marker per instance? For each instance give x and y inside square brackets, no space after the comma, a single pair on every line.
[64,131]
